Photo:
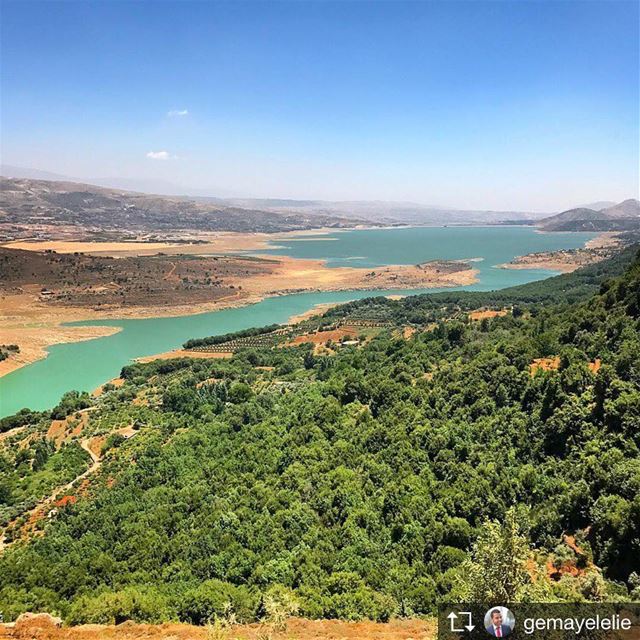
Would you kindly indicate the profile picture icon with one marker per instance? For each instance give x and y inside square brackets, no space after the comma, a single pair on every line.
[499,622]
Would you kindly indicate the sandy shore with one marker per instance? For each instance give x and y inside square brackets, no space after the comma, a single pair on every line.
[182,353]
[200,244]
[317,310]
[529,262]
[605,240]
[34,328]
[568,260]
[561,261]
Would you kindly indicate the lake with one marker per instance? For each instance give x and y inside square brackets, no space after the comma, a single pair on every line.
[86,365]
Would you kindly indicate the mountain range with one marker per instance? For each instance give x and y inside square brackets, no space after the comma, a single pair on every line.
[35,197]
[381,212]
[27,204]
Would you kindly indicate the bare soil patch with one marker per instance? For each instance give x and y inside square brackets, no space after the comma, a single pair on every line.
[42,290]
[297,629]
[544,364]
[564,261]
[183,353]
[594,366]
[61,431]
[116,382]
[323,337]
[553,364]
[482,314]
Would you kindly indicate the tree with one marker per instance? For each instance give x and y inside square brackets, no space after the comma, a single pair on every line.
[496,571]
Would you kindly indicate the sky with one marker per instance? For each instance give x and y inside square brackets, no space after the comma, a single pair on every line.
[529,105]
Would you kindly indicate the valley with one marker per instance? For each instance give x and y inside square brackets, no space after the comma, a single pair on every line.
[358,426]
[319,320]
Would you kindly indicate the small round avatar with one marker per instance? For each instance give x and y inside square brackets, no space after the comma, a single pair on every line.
[499,622]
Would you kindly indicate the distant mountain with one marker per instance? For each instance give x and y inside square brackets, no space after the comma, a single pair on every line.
[626,209]
[389,212]
[11,171]
[27,205]
[373,211]
[378,211]
[599,205]
[144,185]
[624,216]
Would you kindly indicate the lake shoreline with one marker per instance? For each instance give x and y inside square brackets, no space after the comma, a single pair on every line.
[566,261]
[35,325]
[274,290]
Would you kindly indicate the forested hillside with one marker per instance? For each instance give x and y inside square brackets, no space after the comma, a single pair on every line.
[438,458]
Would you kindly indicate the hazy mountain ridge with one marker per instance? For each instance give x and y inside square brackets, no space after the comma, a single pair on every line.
[27,203]
[377,211]
[599,205]
[392,212]
[624,216]
[209,212]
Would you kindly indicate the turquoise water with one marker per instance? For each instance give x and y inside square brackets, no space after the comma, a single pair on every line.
[86,365]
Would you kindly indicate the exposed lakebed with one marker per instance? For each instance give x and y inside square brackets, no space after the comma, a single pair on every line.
[86,365]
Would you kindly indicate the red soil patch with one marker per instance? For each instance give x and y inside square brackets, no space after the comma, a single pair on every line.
[322,337]
[297,629]
[570,541]
[544,364]
[57,430]
[569,567]
[482,314]
[594,366]
[65,501]
[566,569]
[61,431]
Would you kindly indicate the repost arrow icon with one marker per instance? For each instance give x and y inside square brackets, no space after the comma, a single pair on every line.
[469,626]
[454,616]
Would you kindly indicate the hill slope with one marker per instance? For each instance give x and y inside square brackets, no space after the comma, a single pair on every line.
[626,209]
[35,205]
[624,216]
[358,479]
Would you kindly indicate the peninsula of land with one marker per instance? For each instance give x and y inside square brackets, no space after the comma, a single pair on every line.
[44,285]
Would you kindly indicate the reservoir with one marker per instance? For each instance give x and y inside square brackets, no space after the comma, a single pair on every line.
[85,365]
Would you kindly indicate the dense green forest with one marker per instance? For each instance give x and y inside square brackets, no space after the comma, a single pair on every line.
[370,480]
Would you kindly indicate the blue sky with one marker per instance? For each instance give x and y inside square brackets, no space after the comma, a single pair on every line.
[529,105]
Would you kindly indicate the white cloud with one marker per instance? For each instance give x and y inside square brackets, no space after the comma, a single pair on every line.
[178,113]
[159,155]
